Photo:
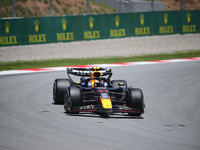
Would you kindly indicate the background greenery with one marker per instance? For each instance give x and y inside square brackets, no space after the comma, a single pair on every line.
[90,61]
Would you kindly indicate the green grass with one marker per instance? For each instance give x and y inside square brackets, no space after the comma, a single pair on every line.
[21,11]
[4,3]
[103,6]
[55,8]
[89,61]
[67,12]
[3,14]
[58,1]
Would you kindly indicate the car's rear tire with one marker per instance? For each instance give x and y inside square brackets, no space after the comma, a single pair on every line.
[135,100]
[59,87]
[73,98]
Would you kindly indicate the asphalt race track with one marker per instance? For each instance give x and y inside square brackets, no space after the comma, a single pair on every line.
[30,121]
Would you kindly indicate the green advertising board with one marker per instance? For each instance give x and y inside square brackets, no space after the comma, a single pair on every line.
[25,31]
[166,23]
[189,22]
[10,32]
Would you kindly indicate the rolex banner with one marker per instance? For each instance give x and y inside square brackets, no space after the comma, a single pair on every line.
[25,31]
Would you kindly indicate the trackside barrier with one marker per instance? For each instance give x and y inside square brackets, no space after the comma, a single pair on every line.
[25,31]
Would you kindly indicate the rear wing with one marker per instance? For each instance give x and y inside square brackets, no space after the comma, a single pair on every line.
[87,72]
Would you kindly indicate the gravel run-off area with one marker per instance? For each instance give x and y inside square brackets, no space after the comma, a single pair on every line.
[101,48]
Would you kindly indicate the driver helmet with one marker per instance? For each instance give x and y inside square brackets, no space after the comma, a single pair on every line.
[94,78]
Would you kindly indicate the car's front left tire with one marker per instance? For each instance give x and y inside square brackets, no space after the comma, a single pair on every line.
[73,98]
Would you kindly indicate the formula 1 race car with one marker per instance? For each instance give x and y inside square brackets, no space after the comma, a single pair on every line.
[96,93]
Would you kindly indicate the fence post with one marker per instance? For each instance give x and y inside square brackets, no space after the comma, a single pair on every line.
[88,7]
[152,3]
[51,7]
[14,8]
[182,5]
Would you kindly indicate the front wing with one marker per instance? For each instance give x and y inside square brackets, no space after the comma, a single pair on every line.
[115,109]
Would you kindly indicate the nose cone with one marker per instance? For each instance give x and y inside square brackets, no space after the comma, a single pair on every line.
[106,103]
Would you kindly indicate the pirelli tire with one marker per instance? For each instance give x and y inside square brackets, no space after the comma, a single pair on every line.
[116,83]
[135,100]
[59,88]
[73,98]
